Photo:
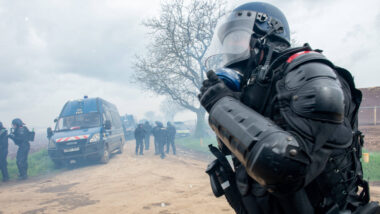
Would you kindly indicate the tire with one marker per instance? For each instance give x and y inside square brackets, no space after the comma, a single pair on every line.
[106,156]
[58,164]
[120,150]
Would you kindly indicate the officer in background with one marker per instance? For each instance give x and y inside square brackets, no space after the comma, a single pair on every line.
[139,136]
[155,131]
[21,137]
[287,116]
[160,137]
[4,152]
[171,131]
[148,130]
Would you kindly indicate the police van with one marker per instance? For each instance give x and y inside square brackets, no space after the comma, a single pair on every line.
[88,128]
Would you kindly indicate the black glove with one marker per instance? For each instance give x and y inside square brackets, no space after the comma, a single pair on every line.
[213,89]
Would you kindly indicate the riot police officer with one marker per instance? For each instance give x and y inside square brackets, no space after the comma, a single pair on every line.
[148,129]
[160,137]
[21,136]
[4,152]
[287,116]
[139,136]
[171,131]
[155,135]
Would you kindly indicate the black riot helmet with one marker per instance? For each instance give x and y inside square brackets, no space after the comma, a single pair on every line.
[17,122]
[248,35]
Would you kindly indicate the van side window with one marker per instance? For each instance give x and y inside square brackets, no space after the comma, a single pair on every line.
[116,119]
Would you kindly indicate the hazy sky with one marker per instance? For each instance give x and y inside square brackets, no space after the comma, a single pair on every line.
[55,50]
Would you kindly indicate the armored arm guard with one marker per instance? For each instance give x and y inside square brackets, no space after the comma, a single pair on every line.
[271,156]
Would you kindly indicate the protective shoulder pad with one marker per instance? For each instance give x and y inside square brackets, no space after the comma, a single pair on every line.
[314,87]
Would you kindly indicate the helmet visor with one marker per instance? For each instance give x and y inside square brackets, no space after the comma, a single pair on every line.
[230,42]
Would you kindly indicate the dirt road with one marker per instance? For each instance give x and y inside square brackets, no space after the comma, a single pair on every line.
[127,184]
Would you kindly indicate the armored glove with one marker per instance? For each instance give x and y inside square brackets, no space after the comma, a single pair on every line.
[213,89]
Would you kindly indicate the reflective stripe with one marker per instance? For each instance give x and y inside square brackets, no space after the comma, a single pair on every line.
[65,139]
[292,57]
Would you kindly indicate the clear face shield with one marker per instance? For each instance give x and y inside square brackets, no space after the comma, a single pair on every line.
[231,40]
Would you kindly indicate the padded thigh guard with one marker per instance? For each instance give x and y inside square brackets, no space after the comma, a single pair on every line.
[270,155]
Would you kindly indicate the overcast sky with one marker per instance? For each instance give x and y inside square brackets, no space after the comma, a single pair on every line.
[55,50]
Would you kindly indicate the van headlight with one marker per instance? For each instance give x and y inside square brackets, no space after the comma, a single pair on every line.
[95,138]
[51,144]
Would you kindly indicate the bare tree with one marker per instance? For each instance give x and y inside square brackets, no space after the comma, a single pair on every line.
[170,108]
[173,65]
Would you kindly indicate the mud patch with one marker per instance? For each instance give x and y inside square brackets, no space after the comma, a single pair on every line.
[57,189]
[166,178]
[70,201]
[160,204]
[36,211]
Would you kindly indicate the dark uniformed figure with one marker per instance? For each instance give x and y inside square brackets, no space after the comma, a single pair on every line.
[21,136]
[287,116]
[171,131]
[148,130]
[139,136]
[160,136]
[155,131]
[4,152]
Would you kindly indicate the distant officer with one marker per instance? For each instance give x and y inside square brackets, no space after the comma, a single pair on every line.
[20,136]
[3,152]
[160,138]
[171,131]
[139,136]
[148,129]
[155,135]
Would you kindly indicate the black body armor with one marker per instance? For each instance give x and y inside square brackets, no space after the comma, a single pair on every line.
[294,139]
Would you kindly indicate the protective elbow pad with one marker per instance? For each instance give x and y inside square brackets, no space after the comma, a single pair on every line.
[271,156]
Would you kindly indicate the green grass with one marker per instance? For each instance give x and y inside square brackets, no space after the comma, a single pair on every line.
[196,144]
[38,163]
[372,168]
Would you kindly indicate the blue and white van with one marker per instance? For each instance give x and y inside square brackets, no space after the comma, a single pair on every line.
[88,128]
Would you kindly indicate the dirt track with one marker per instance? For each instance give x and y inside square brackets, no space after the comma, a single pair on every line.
[127,184]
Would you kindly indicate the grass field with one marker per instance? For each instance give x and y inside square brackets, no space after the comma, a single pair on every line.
[371,169]
[196,144]
[38,163]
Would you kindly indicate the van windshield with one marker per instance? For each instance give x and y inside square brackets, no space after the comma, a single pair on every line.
[79,121]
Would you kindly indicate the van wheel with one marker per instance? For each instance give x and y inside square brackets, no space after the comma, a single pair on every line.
[106,156]
[121,148]
[58,164]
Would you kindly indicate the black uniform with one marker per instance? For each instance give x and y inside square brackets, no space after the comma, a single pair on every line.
[156,132]
[160,139]
[171,131]
[20,137]
[139,136]
[290,123]
[4,152]
[148,131]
